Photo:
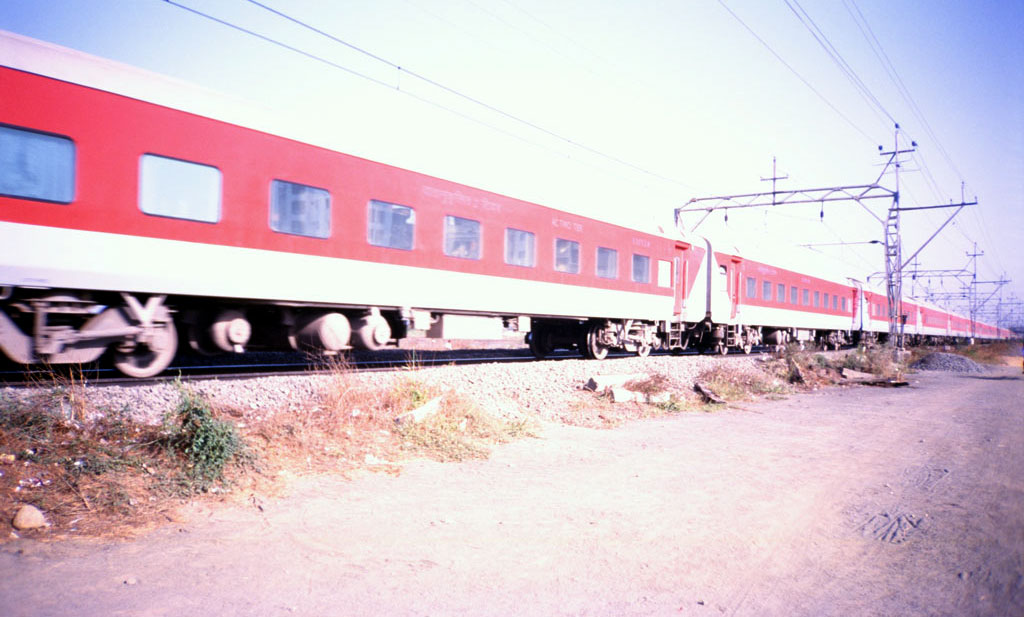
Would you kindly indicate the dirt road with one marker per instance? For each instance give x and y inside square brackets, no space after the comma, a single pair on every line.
[844,502]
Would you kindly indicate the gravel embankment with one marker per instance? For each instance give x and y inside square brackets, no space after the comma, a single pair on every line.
[949,362]
[547,389]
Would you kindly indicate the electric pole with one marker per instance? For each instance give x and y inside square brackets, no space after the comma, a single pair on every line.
[974,286]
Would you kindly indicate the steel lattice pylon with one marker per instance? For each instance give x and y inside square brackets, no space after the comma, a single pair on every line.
[894,274]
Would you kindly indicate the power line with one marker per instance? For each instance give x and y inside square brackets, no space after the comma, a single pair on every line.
[419,98]
[890,69]
[797,74]
[353,72]
[462,95]
[894,75]
[836,57]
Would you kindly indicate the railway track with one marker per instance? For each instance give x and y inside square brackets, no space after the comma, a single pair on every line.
[196,368]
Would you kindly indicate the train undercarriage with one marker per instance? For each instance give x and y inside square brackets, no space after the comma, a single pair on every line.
[142,333]
[593,338]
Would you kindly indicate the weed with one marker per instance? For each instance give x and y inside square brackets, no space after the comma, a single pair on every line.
[86,475]
[27,421]
[460,430]
[732,384]
[674,405]
[64,388]
[207,443]
[876,360]
[990,353]
[654,384]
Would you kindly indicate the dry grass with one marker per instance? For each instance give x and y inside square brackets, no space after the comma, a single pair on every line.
[600,411]
[106,476]
[655,383]
[875,360]
[734,384]
[98,472]
[460,430]
[991,353]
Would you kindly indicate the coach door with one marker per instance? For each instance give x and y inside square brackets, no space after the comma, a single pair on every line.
[681,277]
[857,307]
[734,287]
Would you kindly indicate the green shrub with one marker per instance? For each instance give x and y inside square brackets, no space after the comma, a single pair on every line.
[208,444]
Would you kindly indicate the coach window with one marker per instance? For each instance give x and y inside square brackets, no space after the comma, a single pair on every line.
[299,209]
[844,305]
[36,166]
[179,189]
[751,287]
[607,263]
[817,299]
[390,225]
[642,269]
[835,302]
[520,248]
[766,291]
[824,302]
[780,293]
[794,295]
[461,237]
[567,256]
[806,297]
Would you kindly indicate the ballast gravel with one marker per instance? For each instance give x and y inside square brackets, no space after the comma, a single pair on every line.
[948,362]
[543,389]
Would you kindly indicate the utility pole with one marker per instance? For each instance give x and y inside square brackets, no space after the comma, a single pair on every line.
[893,250]
[974,285]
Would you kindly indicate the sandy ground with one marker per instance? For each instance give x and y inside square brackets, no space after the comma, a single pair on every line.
[850,501]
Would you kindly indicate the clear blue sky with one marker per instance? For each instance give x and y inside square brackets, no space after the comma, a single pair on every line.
[671,100]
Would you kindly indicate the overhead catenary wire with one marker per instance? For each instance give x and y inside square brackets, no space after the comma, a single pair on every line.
[355,73]
[464,96]
[427,101]
[837,58]
[890,69]
[876,47]
[797,73]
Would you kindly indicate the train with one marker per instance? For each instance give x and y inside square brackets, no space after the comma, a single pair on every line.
[140,215]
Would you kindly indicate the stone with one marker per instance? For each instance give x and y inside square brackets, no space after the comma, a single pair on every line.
[29,517]
[849,373]
[622,395]
[602,383]
[422,412]
[708,393]
[659,398]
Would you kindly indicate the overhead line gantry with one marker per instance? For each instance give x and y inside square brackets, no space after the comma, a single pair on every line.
[857,193]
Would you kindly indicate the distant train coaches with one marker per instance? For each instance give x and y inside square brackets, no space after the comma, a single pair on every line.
[137,215]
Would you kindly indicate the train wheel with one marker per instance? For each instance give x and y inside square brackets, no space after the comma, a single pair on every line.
[595,349]
[371,332]
[643,350]
[722,349]
[149,358]
[747,348]
[540,344]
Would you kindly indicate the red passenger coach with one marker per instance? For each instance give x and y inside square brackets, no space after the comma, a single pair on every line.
[126,222]
[138,213]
